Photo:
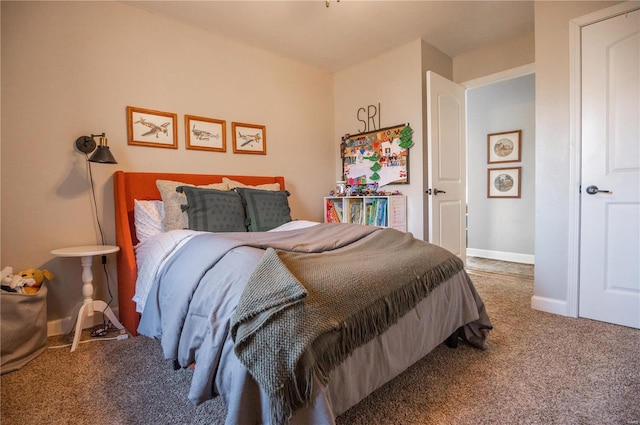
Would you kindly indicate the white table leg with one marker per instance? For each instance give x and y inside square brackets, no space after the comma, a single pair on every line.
[99,305]
[82,315]
[89,305]
[74,319]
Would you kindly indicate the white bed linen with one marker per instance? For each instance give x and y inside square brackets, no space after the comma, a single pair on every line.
[153,253]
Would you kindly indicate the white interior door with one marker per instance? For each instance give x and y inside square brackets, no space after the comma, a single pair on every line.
[610,204]
[446,154]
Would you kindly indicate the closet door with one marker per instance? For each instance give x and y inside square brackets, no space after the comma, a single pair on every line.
[610,194]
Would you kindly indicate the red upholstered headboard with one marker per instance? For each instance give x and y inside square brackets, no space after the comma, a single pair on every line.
[128,186]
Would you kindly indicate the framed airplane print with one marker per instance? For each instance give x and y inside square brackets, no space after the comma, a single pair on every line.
[249,138]
[146,127]
[205,134]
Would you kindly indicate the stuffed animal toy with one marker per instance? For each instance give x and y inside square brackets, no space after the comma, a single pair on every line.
[38,276]
[14,282]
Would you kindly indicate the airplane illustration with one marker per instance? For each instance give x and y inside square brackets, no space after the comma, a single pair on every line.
[248,138]
[155,129]
[203,135]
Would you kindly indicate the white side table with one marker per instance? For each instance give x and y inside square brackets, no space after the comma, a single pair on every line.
[89,305]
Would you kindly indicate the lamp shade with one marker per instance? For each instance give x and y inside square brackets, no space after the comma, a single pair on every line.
[102,153]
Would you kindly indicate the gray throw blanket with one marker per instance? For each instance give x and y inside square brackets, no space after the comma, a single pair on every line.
[302,314]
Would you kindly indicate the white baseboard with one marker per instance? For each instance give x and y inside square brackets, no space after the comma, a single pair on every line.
[550,305]
[513,257]
[64,325]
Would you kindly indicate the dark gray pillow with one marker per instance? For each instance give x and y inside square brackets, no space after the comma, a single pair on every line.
[214,210]
[265,209]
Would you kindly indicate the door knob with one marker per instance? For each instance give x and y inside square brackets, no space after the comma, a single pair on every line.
[592,190]
[435,191]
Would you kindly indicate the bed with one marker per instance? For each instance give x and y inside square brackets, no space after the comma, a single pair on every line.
[246,294]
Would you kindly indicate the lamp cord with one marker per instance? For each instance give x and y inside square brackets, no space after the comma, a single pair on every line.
[104,258]
[93,197]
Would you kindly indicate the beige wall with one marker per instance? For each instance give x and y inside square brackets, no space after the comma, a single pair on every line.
[436,61]
[394,80]
[71,68]
[505,55]
[552,145]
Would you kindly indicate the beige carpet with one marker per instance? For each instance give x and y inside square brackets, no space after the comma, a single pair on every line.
[539,368]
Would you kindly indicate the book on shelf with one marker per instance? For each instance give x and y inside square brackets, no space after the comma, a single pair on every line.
[334,211]
[371,211]
[376,212]
[369,208]
[356,213]
[381,213]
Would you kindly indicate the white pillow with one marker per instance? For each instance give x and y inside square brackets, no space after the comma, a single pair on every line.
[148,218]
[267,186]
[174,217]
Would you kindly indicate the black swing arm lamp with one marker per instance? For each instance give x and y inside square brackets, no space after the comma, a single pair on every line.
[102,154]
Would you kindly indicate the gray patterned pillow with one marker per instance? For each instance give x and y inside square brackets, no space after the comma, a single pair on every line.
[265,209]
[213,210]
[172,200]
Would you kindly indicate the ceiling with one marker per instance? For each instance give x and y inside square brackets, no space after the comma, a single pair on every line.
[351,31]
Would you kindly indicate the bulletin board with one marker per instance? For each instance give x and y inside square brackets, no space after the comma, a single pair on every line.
[378,157]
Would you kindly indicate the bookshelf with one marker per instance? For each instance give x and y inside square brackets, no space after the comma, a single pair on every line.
[383,211]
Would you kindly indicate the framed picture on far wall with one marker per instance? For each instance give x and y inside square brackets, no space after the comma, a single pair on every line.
[249,138]
[205,134]
[503,147]
[503,182]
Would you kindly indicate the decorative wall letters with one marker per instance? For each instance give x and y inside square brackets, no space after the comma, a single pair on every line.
[367,116]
